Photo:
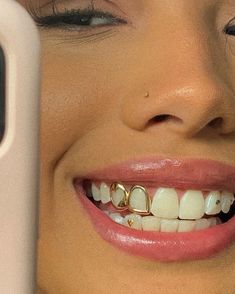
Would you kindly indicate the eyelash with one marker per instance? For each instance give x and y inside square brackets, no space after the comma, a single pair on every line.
[81,19]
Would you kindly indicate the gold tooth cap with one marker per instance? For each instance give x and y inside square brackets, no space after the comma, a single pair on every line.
[118,195]
[135,204]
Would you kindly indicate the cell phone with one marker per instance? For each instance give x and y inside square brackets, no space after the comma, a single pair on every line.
[19,148]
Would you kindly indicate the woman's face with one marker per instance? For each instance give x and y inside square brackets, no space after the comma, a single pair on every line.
[156,80]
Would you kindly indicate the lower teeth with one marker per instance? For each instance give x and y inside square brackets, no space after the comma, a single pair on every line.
[152,223]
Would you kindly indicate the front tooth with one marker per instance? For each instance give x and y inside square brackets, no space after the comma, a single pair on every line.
[118,195]
[116,217]
[227,199]
[186,226]
[150,223]
[133,221]
[213,203]
[95,192]
[202,224]
[165,203]
[138,200]
[169,225]
[104,193]
[191,205]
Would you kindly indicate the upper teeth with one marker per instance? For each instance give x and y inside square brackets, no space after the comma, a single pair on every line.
[95,192]
[165,203]
[138,200]
[226,201]
[118,195]
[213,203]
[105,193]
[191,205]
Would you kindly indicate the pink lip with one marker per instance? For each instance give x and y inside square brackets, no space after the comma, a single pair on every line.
[182,174]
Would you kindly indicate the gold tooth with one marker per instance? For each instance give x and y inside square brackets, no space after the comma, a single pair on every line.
[130,222]
[148,201]
[122,205]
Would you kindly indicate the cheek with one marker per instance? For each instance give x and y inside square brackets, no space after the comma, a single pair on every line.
[76,97]
[67,103]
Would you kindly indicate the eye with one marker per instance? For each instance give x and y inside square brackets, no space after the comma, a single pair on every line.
[229,28]
[80,19]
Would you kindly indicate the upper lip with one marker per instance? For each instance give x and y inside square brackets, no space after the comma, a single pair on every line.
[201,174]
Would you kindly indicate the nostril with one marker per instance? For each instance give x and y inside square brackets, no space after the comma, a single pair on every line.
[160,118]
[163,118]
[216,123]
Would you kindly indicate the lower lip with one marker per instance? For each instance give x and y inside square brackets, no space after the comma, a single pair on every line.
[160,246]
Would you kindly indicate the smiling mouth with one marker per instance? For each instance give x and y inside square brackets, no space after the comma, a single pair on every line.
[161,209]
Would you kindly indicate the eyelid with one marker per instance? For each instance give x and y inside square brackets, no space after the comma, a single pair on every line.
[57,19]
[229,23]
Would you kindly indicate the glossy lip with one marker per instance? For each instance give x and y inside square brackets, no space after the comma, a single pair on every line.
[182,174]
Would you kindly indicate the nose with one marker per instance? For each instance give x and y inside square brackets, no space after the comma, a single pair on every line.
[184,90]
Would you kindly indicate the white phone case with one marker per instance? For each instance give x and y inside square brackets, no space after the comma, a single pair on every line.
[19,150]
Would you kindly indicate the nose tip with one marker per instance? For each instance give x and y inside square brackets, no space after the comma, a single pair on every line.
[188,83]
[187,110]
